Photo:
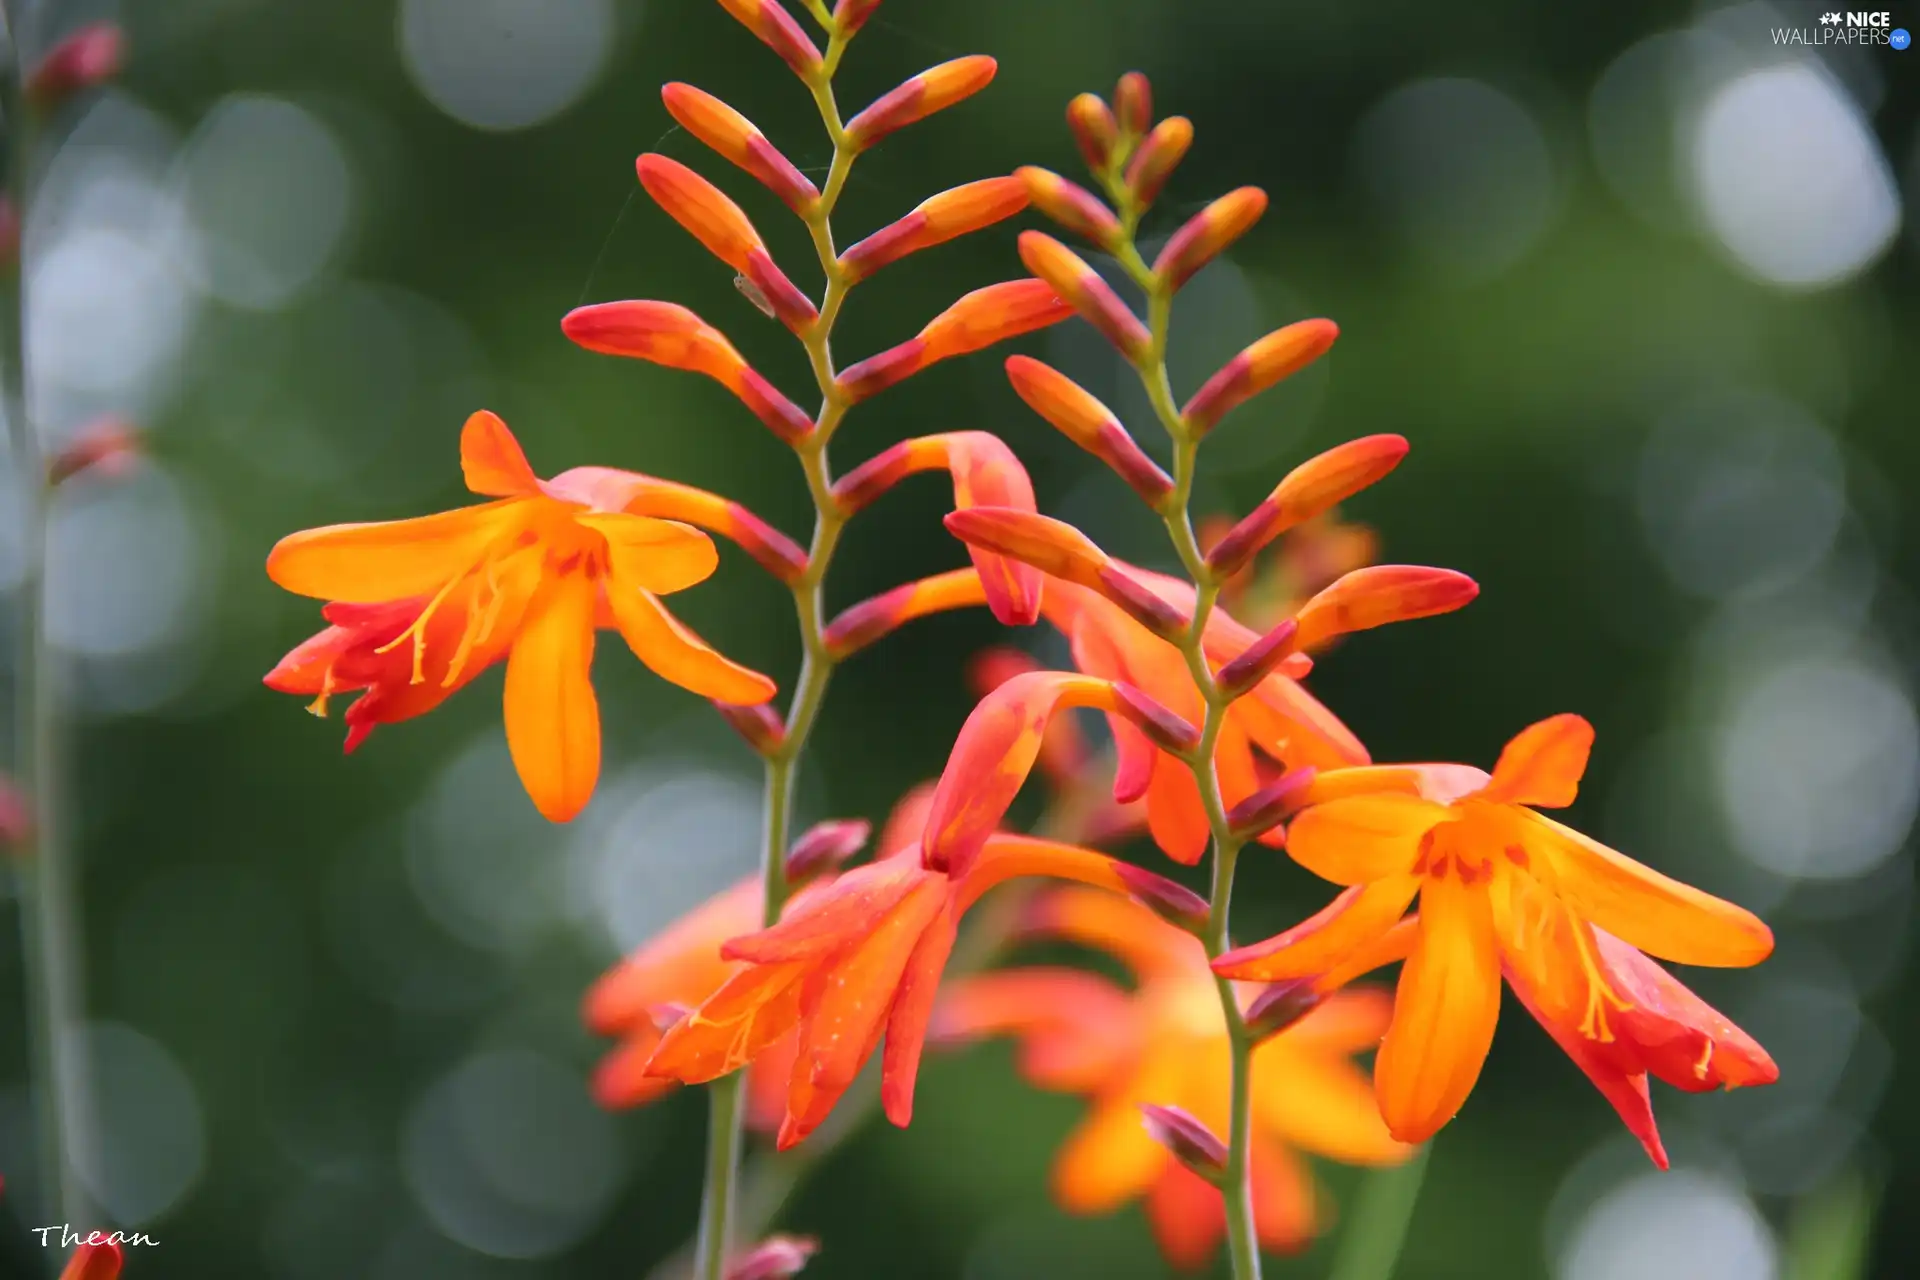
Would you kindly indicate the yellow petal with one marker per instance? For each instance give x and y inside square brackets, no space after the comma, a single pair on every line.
[1444,1012]
[1362,838]
[675,653]
[661,556]
[1543,764]
[391,559]
[1641,907]
[553,720]
[491,459]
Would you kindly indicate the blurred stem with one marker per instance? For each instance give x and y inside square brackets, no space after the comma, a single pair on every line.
[727,1117]
[1370,1247]
[52,970]
[1830,1233]
[1243,1241]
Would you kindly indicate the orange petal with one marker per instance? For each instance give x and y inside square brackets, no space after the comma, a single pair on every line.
[680,965]
[992,757]
[621,1080]
[1187,1216]
[552,718]
[1674,1033]
[912,1010]
[1110,1158]
[93,1261]
[1543,764]
[732,1027]
[1175,815]
[834,915]
[1118,925]
[674,653]
[1286,1209]
[1296,728]
[1327,937]
[1363,838]
[843,1008]
[1444,1012]
[1643,908]
[371,563]
[492,460]
[660,556]
[1321,1103]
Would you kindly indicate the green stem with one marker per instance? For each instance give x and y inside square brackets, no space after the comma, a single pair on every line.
[782,762]
[1370,1248]
[46,891]
[1243,1241]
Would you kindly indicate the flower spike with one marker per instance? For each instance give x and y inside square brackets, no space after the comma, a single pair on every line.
[1159,154]
[666,333]
[735,139]
[1072,206]
[1207,233]
[985,473]
[934,89]
[1310,489]
[779,32]
[1280,354]
[1094,129]
[978,320]
[1071,278]
[1088,423]
[936,220]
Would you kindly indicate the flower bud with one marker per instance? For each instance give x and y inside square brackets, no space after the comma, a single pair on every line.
[1072,206]
[106,447]
[1278,355]
[776,1257]
[1280,1006]
[1191,1142]
[778,30]
[90,56]
[860,624]
[760,725]
[1051,546]
[851,15]
[1133,103]
[702,208]
[1207,233]
[1258,661]
[1140,603]
[1094,129]
[932,90]
[978,320]
[1088,423]
[1081,286]
[783,299]
[1160,152]
[1163,728]
[825,845]
[734,138]
[1309,490]
[937,220]
[1273,803]
[1379,594]
[1168,899]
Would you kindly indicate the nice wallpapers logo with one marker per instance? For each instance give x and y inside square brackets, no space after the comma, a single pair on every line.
[1847,28]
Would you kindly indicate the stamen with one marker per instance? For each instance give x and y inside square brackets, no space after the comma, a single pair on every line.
[318,707]
[417,631]
[1599,994]
[1706,1060]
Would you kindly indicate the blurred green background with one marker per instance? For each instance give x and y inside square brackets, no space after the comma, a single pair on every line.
[1633,278]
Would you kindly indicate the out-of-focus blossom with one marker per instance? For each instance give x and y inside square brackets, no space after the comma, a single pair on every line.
[1165,1044]
[1094,129]
[89,57]
[1503,888]
[858,959]
[419,607]
[16,814]
[105,448]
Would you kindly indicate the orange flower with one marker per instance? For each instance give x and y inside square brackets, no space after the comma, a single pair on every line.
[1165,1043]
[1504,888]
[99,1258]
[422,606]
[857,959]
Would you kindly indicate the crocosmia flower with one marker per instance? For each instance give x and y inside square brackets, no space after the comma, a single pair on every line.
[1504,889]
[1164,1043]
[419,607]
[859,959]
